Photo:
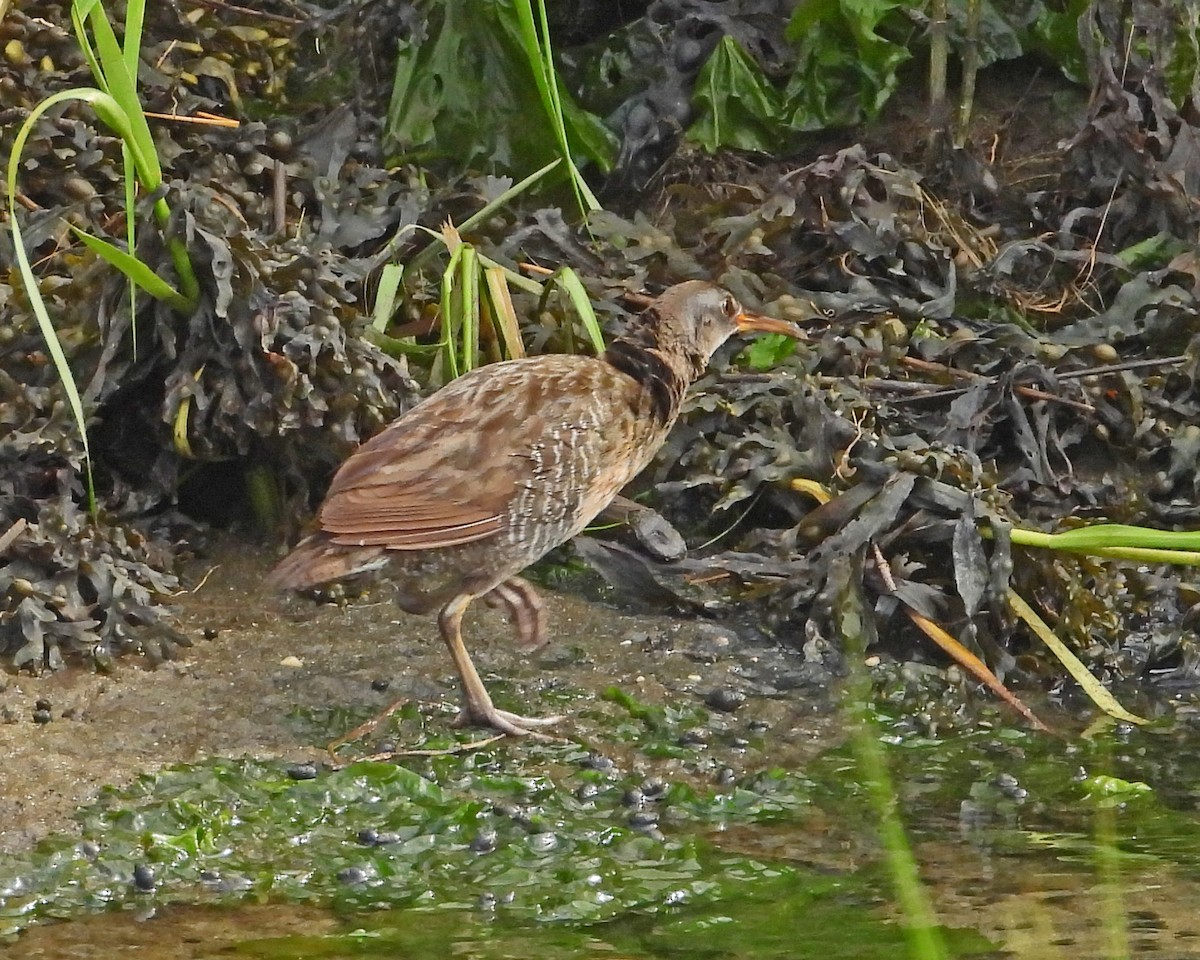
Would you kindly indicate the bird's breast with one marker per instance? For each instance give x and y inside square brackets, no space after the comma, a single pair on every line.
[587,450]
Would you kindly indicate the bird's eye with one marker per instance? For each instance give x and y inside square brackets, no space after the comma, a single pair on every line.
[730,307]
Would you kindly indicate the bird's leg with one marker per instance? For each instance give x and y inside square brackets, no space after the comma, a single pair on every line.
[479,707]
[524,609]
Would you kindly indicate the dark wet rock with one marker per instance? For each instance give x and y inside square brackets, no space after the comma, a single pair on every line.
[370,837]
[711,643]
[484,841]
[696,737]
[1008,785]
[725,699]
[633,797]
[303,771]
[587,792]
[42,716]
[210,633]
[143,878]
[774,675]
[506,808]
[725,776]
[643,819]
[353,876]
[222,883]
[88,850]
[380,684]
[758,725]
[654,788]
[597,761]
[559,656]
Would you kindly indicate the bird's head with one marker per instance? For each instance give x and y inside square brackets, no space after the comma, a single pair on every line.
[692,319]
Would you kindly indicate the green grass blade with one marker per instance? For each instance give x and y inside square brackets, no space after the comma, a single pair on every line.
[469,326]
[510,194]
[79,14]
[1123,535]
[541,62]
[1091,686]
[135,17]
[385,296]
[449,276]
[570,282]
[122,85]
[137,271]
[503,313]
[29,280]
[486,211]
[130,238]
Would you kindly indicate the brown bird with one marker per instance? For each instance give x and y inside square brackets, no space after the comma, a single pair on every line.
[500,466]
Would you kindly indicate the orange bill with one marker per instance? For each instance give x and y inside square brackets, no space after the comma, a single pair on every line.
[757,323]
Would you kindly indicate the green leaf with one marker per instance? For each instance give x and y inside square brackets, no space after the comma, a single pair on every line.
[767,351]
[846,68]
[737,106]
[569,280]
[491,116]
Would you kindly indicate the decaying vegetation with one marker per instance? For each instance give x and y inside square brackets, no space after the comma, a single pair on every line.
[1001,303]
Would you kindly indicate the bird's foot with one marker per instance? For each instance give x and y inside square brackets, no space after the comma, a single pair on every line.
[513,724]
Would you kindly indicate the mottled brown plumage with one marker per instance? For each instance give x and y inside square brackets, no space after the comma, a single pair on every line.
[487,475]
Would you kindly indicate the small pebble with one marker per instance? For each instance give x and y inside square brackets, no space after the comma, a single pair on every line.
[643,819]
[725,700]
[379,684]
[42,716]
[726,776]
[694,738]
[143,878]
[352,875]
[597,761]
[303,771]
[654,788]
[542,842]
[587,792]
[484,842]
[758,726]
[633,797]
[42,704]
[210,633]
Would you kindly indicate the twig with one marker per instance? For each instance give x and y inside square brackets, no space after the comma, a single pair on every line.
[960,654]
[10,535]
[249,12]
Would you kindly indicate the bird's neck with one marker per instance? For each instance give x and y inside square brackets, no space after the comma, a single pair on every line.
[663,373]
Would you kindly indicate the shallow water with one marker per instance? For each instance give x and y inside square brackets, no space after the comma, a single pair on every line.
[659,828]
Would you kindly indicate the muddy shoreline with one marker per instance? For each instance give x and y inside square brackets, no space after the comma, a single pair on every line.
[273,661]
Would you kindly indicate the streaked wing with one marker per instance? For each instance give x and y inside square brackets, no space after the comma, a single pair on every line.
[446,472]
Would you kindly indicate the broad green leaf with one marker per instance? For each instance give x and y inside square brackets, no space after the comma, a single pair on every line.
[846,67]
[490,116]
[737,106]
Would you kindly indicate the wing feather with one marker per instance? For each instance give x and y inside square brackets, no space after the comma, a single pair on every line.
[447,472]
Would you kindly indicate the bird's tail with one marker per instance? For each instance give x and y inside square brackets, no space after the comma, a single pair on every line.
[318,560]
